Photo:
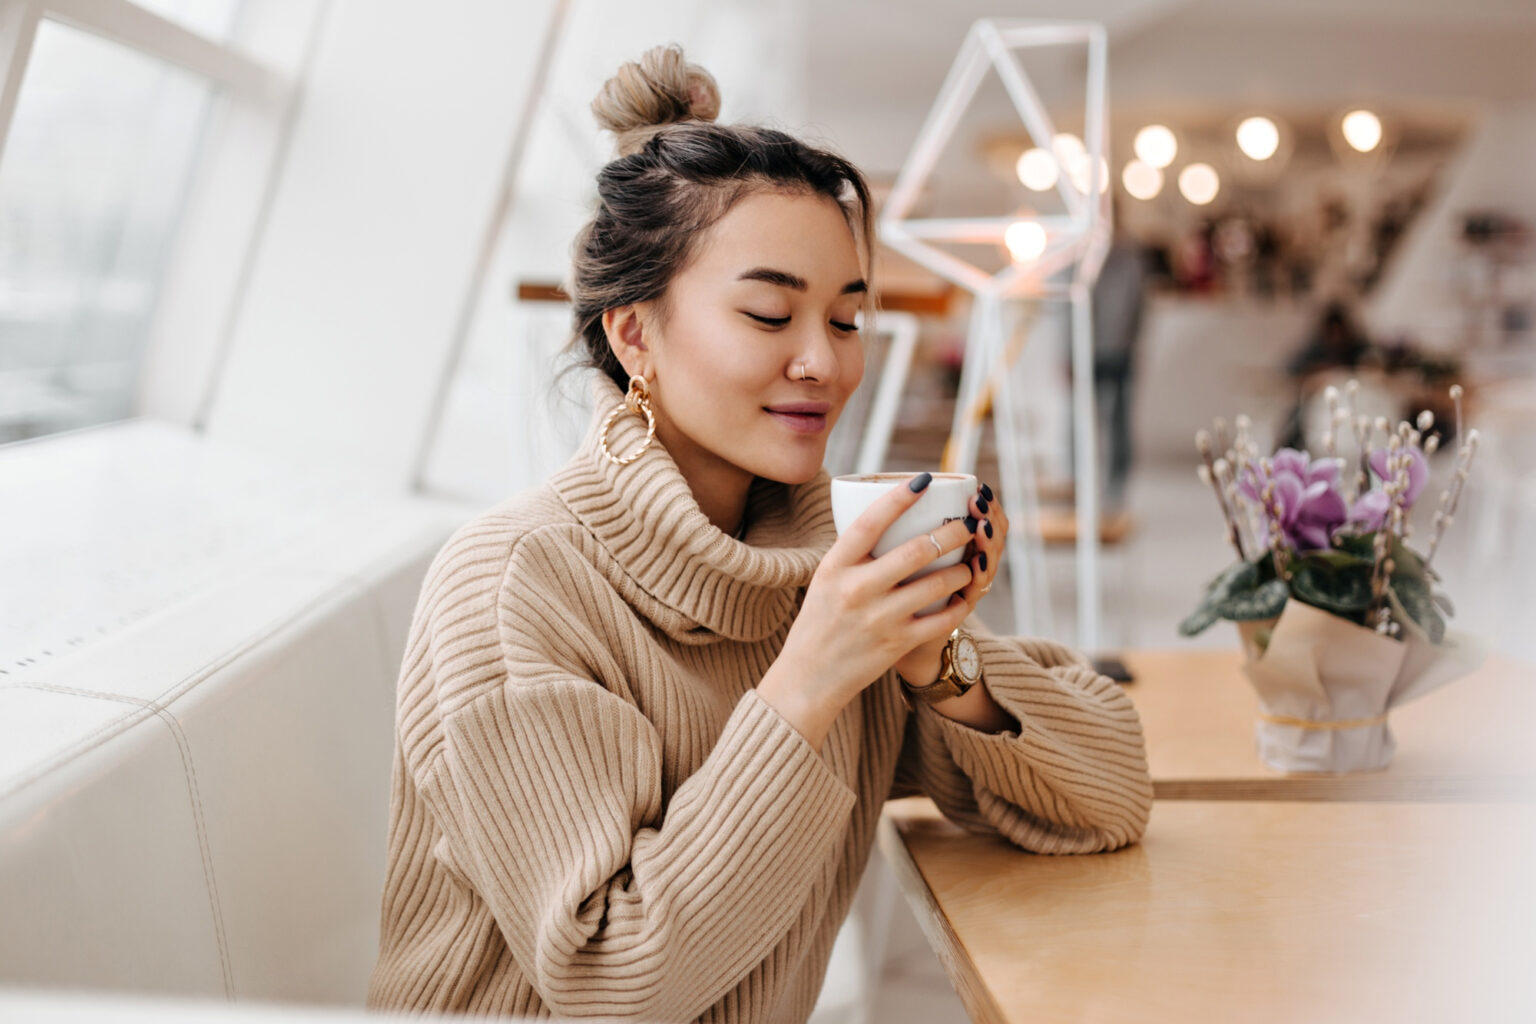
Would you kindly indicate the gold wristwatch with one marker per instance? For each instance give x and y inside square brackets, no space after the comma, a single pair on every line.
[959,670]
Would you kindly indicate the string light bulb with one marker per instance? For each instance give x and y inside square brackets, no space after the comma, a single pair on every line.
[1199,183]
[1362,130]
[1037,170]
[1258,138]
[1141,180]
[1156,146]
[1025,240]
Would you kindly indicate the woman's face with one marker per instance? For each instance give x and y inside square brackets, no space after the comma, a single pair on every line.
[771,292]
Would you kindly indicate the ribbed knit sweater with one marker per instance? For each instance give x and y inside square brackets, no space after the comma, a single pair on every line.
[595,814]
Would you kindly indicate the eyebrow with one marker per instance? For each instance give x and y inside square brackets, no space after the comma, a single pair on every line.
[784,279]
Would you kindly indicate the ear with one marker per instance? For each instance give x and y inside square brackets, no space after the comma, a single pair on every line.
[625,329]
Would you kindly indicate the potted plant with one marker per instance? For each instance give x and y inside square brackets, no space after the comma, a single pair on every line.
[1341,618]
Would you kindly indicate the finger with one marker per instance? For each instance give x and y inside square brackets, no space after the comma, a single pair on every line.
[998,518]
[983,572]
[920,552]
[981,505]
[910,598]
[928,628]
[985,533]
[856,542]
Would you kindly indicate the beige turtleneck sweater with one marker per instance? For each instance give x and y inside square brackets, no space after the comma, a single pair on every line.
[593,812]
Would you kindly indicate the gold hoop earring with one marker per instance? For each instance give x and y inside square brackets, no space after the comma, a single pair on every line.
[638,401]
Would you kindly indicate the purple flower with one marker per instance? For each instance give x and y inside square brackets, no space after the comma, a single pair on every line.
[1418,471]
[1289,462]
[1308,506]
[1369,512]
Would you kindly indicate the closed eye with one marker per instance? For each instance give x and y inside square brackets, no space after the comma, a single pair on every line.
[771,321]
[844,328]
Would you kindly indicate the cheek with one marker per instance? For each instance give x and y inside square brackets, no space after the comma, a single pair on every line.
[720,378]
[853,365]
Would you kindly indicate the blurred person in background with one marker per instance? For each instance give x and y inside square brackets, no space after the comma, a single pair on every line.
[1118,298]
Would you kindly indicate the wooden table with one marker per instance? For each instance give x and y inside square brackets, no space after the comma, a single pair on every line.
[1249,912]
[1473,739]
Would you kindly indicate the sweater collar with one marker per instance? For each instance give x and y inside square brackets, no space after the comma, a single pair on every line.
[693,580]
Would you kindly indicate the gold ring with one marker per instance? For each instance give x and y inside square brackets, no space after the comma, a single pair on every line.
[984,589]
[937,547]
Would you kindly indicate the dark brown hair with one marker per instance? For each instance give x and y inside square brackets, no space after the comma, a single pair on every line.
[676,175]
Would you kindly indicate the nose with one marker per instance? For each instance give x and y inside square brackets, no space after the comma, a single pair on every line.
[816,361]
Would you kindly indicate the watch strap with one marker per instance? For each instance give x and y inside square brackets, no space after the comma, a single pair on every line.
[946,686]
[943,688]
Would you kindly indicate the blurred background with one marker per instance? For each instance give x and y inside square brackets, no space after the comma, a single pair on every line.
[265,264]
[336,232]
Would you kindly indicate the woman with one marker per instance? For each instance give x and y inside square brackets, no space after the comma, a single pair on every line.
[649,711]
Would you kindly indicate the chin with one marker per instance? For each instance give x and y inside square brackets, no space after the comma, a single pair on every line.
[796,472]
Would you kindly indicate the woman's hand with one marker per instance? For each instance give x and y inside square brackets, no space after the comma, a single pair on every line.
[858,618]
[920,666]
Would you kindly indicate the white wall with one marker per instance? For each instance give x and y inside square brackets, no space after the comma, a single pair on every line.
[364,263]
[507,424]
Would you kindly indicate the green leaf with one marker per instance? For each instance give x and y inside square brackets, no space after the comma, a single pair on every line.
[1237,578]
[1333,559]
[1361,545]
[1443,601]
[1199,620]
[1417,604]
[1263,603]
[1344,591]
[1406,561]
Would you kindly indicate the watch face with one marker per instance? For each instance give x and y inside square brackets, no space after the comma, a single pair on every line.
[967,659]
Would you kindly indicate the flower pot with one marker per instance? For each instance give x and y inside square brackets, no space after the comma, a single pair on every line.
[1325,686]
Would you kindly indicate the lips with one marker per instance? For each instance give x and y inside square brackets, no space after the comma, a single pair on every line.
[801,417]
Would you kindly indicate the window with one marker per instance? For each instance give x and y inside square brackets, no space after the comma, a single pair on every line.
[214,19]
[95,166]
[137,141]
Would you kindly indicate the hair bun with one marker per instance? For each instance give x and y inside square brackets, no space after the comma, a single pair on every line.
[659,89]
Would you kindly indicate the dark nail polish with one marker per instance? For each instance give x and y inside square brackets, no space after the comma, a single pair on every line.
[981,503]
[986,492]
[983,557]
[920,483]
[970,523]
[989,529]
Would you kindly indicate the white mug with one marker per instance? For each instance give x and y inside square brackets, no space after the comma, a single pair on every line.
[947,497]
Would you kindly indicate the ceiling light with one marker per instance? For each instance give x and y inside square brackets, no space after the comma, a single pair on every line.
[1037,170]
[1142,180]
[1199,183]
[1258,138]
[1362,130]
[1078,173]
[1156,146]
[1068,148]
[1025,240]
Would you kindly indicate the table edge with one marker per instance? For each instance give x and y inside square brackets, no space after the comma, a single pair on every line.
[942,939]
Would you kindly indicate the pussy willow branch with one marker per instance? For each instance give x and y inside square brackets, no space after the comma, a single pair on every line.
[1210,473]
[1450,498]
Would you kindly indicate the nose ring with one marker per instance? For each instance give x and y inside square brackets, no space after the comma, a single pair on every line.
[802,371]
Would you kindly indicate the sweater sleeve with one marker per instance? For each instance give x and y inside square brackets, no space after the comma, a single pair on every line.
[1071,779]
[548,790]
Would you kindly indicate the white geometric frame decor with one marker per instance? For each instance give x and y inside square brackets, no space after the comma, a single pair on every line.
[1077,241]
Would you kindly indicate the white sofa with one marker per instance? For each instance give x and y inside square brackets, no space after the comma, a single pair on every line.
[198,654]
[198,657]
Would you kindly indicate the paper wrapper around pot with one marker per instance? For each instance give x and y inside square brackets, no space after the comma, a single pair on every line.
[1325,686]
